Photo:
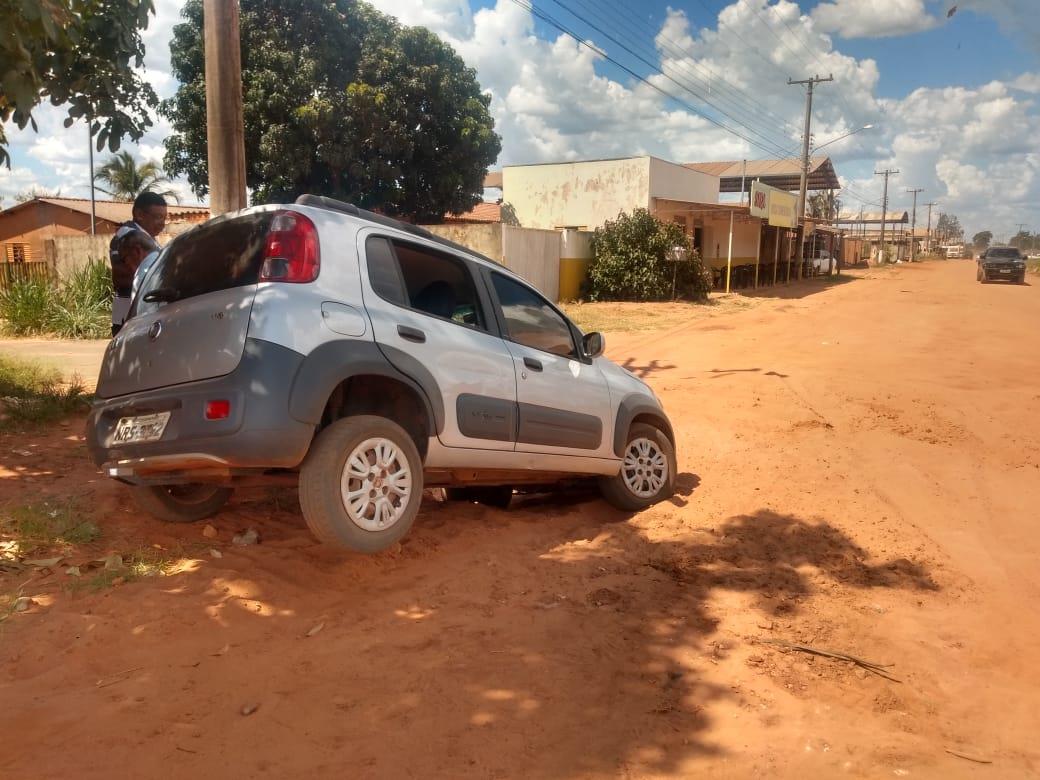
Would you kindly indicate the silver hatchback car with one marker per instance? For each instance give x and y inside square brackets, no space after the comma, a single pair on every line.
[362,359]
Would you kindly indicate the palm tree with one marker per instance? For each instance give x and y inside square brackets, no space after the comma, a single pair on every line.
[125,179]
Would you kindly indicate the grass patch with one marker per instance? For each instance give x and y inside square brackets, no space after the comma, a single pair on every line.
[44,526]
[32,393]
[138,564]
[77,307]
[624,317]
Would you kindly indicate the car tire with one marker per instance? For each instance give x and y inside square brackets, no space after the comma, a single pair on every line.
[632,489]
[181,503]
[497,496]
[349,457]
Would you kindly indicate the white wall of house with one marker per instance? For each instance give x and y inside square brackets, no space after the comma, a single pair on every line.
[675,182]
[580,195]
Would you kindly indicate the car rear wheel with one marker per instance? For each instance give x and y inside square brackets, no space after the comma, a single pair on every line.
[182,503]
[361,484]
[647,472]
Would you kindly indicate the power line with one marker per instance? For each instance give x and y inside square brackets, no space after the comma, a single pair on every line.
[677,51]
[566,31]
[650,64]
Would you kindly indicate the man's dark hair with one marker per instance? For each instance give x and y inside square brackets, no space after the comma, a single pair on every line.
[148,199]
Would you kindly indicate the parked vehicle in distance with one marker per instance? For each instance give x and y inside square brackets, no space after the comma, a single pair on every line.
[954,251]
[362,359]
[1001,262]
[823,263]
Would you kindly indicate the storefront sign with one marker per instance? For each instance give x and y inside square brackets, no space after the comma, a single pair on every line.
[778,206]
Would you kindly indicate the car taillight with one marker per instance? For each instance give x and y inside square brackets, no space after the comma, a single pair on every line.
[218,410]
[291,250]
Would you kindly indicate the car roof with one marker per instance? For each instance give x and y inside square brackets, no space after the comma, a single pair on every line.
[331,204]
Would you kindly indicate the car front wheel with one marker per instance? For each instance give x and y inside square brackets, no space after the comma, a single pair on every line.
[647,472]
[361,484]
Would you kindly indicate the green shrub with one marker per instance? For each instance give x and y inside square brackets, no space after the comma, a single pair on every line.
[30,392]
[24,307]
[631,261]
[77,307]
[81,307]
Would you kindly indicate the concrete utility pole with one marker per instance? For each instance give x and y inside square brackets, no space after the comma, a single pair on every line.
[913,225]
[884,207]
[90,154]
[803,181]
[929,205]
[225,134]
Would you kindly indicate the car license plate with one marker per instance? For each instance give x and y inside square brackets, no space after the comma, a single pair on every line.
[148,427]
[1005,270]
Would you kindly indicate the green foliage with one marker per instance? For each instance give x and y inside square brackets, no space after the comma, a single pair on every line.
[948,229]
[44,525]
[78,307]
[982,239]
[124,179]
[824,205]
[30,392]
[631,261]
[340,100]
[24,305]
[80,53]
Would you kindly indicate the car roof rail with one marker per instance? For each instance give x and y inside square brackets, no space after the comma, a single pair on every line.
[331,204]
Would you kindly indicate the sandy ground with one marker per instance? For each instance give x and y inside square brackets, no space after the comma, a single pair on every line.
[859,472]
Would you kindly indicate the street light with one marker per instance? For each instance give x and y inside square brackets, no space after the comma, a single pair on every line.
[840,137]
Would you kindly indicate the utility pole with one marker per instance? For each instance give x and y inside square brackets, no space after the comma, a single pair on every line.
[884,207]
[225,134]
[913,225]
[929,205]
[90,154]
[810,83]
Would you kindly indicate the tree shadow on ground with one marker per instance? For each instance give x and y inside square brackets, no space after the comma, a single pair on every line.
[553,640]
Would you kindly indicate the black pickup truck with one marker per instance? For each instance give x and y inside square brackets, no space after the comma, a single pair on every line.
[1001,262]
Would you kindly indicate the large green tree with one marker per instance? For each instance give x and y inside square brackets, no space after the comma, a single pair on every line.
[124,179]
[79,53]
[948,228]
[340,100]
[982,238]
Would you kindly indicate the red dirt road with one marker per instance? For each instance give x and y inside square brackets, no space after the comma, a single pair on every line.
[859,473]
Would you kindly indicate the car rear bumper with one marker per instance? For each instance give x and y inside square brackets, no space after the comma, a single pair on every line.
[258,433]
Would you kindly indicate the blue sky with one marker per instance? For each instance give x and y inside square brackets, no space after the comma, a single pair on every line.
[953,101]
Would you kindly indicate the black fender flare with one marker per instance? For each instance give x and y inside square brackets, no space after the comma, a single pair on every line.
[631,407]
[336,361]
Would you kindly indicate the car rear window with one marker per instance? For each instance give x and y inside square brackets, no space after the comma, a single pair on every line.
[213,257]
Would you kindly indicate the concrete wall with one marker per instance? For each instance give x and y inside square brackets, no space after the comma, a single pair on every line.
[67,253]
[534,255]
[575,256]
[580,195]
[746,236]
[483,238]
[668,180]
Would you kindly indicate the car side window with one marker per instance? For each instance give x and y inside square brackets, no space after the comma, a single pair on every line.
[425,280]
[530,320]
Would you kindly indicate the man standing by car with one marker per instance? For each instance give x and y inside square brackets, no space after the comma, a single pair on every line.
[149,217]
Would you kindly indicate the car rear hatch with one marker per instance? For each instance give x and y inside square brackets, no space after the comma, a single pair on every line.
[193,325]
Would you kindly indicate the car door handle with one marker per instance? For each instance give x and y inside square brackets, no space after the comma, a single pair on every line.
[531,363]
[411,334]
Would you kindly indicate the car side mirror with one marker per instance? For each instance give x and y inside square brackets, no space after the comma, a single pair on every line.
[593,344]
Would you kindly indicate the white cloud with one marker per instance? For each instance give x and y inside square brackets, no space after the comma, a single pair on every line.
[873,18]
[554,99]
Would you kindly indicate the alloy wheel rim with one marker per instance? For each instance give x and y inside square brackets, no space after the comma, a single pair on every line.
[376,484]
[644,468]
